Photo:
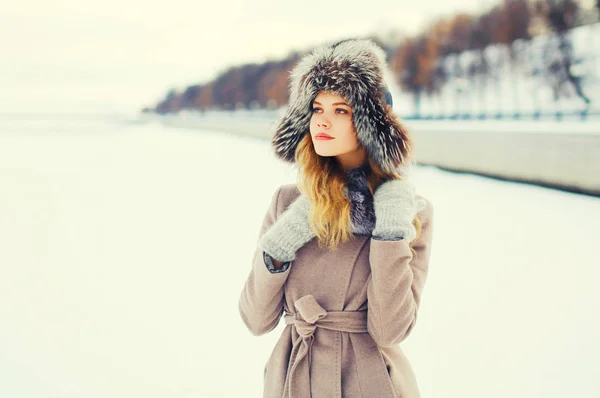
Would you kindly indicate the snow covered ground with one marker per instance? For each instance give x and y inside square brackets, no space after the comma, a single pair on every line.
[124,247]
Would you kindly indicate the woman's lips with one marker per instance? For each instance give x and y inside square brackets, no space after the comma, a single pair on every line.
[323,137]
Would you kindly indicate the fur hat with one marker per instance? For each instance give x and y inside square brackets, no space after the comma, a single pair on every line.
[356,69]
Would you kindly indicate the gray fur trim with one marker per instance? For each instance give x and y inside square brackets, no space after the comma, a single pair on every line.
[357,70]
[362,210]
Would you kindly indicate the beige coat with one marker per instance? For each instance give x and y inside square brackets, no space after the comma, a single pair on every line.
[345,310]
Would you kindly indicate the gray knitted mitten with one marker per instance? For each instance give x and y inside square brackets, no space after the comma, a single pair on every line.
[395,209]
[289,232]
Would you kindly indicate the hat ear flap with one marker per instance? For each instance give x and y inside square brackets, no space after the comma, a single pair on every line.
[401,139]
[387,141]
[296,122]
[293,127]
[289,133]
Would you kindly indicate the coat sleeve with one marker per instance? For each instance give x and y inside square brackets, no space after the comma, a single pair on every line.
[261,299]
[397,281]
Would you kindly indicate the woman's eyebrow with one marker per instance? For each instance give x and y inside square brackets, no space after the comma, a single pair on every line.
[335,103]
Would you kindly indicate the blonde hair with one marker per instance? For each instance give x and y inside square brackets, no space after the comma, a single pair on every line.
[322,180]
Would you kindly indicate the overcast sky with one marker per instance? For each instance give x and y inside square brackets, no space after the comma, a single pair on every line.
[129,52]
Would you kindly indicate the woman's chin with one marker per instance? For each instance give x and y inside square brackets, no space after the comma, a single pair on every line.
[321,151]
[326,154]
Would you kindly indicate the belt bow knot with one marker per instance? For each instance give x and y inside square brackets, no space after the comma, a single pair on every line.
[308,316]
[308,312]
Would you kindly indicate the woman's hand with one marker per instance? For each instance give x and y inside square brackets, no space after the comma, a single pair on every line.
[396,206]
[289,232]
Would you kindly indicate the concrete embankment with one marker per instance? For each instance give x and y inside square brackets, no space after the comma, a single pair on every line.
[558,154]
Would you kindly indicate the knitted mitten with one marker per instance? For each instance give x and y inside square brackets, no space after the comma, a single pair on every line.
[289,232]
[395,209]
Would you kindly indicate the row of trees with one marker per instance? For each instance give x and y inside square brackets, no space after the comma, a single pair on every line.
[250,85]
[416,61]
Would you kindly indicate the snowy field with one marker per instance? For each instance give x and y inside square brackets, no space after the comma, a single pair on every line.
[124,248]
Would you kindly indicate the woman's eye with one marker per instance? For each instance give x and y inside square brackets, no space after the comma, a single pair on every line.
[338,110]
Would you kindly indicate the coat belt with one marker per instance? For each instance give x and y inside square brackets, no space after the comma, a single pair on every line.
[308,316]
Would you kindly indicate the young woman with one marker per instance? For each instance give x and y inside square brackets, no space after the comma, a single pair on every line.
[344,253]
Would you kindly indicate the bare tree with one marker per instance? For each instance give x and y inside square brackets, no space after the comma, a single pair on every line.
[559,15]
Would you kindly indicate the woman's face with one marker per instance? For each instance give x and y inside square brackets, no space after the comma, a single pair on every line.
[332,116]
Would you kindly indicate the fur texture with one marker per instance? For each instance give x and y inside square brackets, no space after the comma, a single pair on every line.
[362,206]
[356,69]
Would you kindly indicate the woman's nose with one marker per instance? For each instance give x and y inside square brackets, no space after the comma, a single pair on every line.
[322,124]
